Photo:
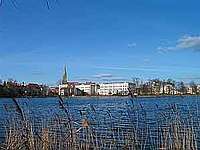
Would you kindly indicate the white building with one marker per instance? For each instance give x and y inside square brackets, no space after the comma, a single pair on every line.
[89,88]
[116,88]
[67,89]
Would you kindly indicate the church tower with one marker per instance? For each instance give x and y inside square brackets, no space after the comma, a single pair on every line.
[64,79]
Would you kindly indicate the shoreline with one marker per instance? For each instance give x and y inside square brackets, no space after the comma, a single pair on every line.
[108,96]
[141,96]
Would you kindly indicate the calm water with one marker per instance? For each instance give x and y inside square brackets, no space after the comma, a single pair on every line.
[46,107]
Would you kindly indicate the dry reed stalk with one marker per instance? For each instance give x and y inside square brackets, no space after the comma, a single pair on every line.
[45,138]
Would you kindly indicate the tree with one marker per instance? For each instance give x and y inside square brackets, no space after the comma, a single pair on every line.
[180,86]
[136,81]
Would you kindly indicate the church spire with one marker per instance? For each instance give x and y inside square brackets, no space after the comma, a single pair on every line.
[64,80]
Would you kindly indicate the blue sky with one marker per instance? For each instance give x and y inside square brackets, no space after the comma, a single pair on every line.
[100,40]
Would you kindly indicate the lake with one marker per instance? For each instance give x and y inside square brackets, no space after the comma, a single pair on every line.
[113,119]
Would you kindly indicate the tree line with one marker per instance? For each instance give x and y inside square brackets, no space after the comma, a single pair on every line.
[12,88]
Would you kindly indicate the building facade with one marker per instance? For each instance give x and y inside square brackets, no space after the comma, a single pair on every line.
[168,89]
[117,88]
[88,88]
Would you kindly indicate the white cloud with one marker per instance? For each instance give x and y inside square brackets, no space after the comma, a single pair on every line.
[115,79]
[132,45]
[103,75]
[165,49]
[134,68]
[146,60]
[185,42]
[82,79]
[38,73]
[189,42]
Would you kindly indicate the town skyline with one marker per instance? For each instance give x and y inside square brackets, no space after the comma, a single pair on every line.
[137,87]
[100,40]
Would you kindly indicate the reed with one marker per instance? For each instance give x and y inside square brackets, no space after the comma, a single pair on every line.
[128,127]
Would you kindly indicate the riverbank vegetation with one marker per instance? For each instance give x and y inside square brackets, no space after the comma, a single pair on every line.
[131,126]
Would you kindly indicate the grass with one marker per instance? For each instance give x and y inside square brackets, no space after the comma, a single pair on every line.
[128,127]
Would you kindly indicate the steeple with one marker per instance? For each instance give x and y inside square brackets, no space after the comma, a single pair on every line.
[64,80]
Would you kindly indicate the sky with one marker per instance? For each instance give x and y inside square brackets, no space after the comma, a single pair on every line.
[99,40]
